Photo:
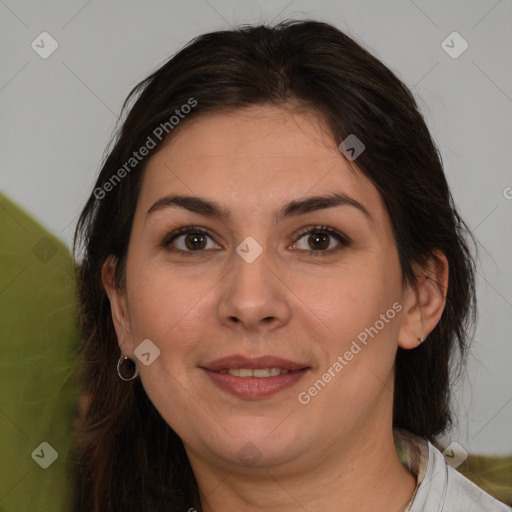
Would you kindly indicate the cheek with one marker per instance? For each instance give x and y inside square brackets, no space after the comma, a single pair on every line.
[169,312]
[360,307]
[162,300]
[353,298]
[175,312]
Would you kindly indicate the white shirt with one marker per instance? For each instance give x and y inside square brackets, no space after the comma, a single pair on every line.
[441,488]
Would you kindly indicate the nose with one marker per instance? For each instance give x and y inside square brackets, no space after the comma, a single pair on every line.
[255,297]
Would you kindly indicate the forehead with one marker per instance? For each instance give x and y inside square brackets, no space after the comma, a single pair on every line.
[253,155]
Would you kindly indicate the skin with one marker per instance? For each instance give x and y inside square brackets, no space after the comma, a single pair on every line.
[336,452]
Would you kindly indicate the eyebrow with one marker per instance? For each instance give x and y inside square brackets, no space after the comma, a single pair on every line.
[210,208]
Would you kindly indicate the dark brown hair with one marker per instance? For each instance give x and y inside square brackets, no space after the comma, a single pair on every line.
[128,458]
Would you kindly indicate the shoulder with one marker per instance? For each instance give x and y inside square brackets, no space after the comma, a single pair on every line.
[444,489]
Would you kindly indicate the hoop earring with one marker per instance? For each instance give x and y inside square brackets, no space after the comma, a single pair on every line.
[122,359]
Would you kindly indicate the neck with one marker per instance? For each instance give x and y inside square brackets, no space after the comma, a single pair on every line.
[363,474]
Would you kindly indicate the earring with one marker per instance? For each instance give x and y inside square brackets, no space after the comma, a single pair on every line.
[135,370]
[421,340]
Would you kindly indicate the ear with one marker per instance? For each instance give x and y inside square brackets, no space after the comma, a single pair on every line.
[424,309]
[118,305]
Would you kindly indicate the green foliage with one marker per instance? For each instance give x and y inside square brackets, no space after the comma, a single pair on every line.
[37,363]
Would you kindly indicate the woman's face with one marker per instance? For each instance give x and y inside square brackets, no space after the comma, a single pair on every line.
[276,316]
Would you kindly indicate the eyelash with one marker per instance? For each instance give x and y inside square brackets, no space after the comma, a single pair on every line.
[342,239]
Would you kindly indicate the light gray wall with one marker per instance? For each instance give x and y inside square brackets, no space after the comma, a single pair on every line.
[58,114]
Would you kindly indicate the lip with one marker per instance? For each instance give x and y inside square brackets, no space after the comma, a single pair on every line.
[254,387]
[239,361]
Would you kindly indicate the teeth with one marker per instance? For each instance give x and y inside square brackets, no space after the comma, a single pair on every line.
[257,372]
[263,372]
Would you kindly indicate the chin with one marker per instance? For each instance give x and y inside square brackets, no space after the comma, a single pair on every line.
[263,447]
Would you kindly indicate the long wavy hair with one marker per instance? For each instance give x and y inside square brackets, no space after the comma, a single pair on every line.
[127,457]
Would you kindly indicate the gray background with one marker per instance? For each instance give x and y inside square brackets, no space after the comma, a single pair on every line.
[59,113]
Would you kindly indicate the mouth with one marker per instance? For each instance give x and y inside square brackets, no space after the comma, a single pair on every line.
[254,378]
[260,373]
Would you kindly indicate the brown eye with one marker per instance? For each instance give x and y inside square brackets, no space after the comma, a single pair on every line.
[319,240]
[195,241]
[189,240]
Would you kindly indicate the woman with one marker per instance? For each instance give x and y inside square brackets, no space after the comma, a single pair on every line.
[272,260]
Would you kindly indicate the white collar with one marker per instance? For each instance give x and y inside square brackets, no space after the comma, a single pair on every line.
[439,487]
